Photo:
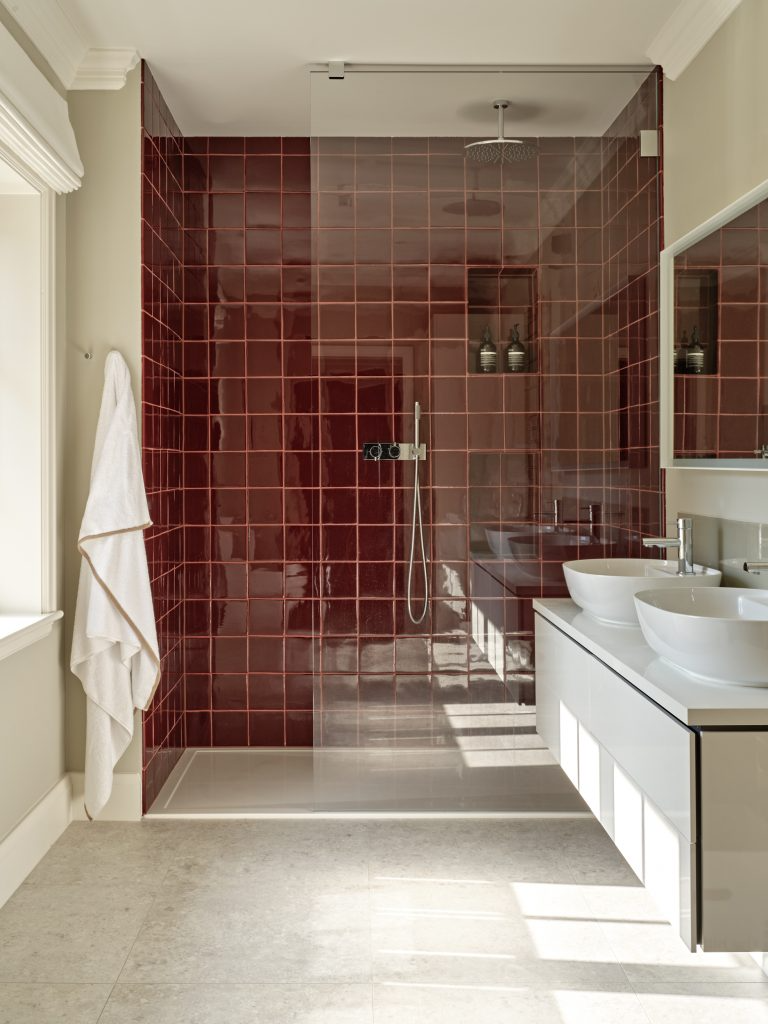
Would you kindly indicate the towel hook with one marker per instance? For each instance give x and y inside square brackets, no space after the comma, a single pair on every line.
[87,355]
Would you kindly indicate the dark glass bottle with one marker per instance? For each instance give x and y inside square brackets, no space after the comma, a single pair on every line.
[694,357]
[681,352]
[488,355]
[516,356]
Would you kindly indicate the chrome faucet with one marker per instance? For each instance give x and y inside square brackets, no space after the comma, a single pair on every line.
[595,512]
[557,511]
[683,542]
[755,567]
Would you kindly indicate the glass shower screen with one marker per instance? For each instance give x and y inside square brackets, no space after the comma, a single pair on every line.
[454,283]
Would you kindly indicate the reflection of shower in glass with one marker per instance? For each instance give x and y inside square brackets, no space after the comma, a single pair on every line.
[474,206]
[417,524]
[500,150]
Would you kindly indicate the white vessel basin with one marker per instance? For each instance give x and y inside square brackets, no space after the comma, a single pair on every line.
[720,635]
[530,545]
[499,540]
[605,587]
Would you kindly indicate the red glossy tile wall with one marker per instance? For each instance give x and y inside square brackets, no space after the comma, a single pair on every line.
[250,498]
[632,240]
[162,423]
[298,346]
[721,414]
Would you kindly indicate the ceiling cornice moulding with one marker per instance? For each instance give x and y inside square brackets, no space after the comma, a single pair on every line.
[35,131]
[66,47]
[687,32]
[105,68]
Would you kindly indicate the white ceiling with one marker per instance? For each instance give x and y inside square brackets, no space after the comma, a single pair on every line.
[241,66]
[549,103]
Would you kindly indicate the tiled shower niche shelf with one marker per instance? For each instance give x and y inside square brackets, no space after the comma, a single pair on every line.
[696,295]
[499,298]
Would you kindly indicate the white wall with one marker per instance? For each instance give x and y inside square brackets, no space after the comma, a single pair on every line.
[715,150]
[103,312]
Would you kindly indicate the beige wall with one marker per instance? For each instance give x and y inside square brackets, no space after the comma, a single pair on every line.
[715,150]
[42,729]
[31,727]
[103,312]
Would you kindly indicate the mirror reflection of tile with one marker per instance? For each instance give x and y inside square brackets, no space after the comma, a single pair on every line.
[720,336]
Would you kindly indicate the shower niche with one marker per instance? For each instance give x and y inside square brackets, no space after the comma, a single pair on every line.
[696,329]
[502,320]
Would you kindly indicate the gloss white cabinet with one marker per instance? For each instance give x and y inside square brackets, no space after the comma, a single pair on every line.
[631,762]
[686,804]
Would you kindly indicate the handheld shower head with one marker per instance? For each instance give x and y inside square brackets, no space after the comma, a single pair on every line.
[417,528]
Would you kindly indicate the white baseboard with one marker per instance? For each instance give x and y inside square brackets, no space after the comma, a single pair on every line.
[24,847]
[124,803]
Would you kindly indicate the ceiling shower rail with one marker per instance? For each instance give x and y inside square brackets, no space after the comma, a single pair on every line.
[512,69]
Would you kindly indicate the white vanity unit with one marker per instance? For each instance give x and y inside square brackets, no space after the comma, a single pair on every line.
[675,769]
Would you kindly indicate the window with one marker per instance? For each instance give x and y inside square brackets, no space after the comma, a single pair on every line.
[27,463]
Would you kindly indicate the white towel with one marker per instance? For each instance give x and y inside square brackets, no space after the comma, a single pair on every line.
[114,644]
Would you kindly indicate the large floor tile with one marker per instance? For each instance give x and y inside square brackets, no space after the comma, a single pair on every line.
[70,933]
[592,857]
[705,1004]
[649,948]
[255,933]
[478,933]
[239,1004]
[51,1004]
[654,952]
[238,852]
[517,849]
[456,1004]
[111,852]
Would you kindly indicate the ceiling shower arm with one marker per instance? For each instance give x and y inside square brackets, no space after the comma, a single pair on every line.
[501,106]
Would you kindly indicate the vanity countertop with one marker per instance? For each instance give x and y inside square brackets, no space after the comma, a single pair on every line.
[694,702]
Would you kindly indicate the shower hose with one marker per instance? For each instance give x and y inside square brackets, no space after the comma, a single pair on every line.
[417,526]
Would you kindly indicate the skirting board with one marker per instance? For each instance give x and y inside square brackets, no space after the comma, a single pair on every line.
[123,805]
[33,837]
[26,845]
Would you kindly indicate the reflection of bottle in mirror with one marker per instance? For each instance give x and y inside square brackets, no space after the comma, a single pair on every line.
[487,353]
[517,357]
[694,357]
[681,351]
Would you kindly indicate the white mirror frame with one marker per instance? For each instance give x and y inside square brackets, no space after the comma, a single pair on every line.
[667,337]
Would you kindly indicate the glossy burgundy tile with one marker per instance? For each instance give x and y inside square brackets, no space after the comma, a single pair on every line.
[287,367]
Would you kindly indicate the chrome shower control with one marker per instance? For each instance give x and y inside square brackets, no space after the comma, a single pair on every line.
[373,452]
[392,451]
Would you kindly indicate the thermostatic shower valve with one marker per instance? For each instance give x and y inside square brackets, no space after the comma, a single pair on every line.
[392,451]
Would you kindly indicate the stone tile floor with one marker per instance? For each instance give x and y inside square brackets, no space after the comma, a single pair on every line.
[353,922]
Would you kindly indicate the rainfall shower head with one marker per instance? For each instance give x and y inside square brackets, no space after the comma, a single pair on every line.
[500,150]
